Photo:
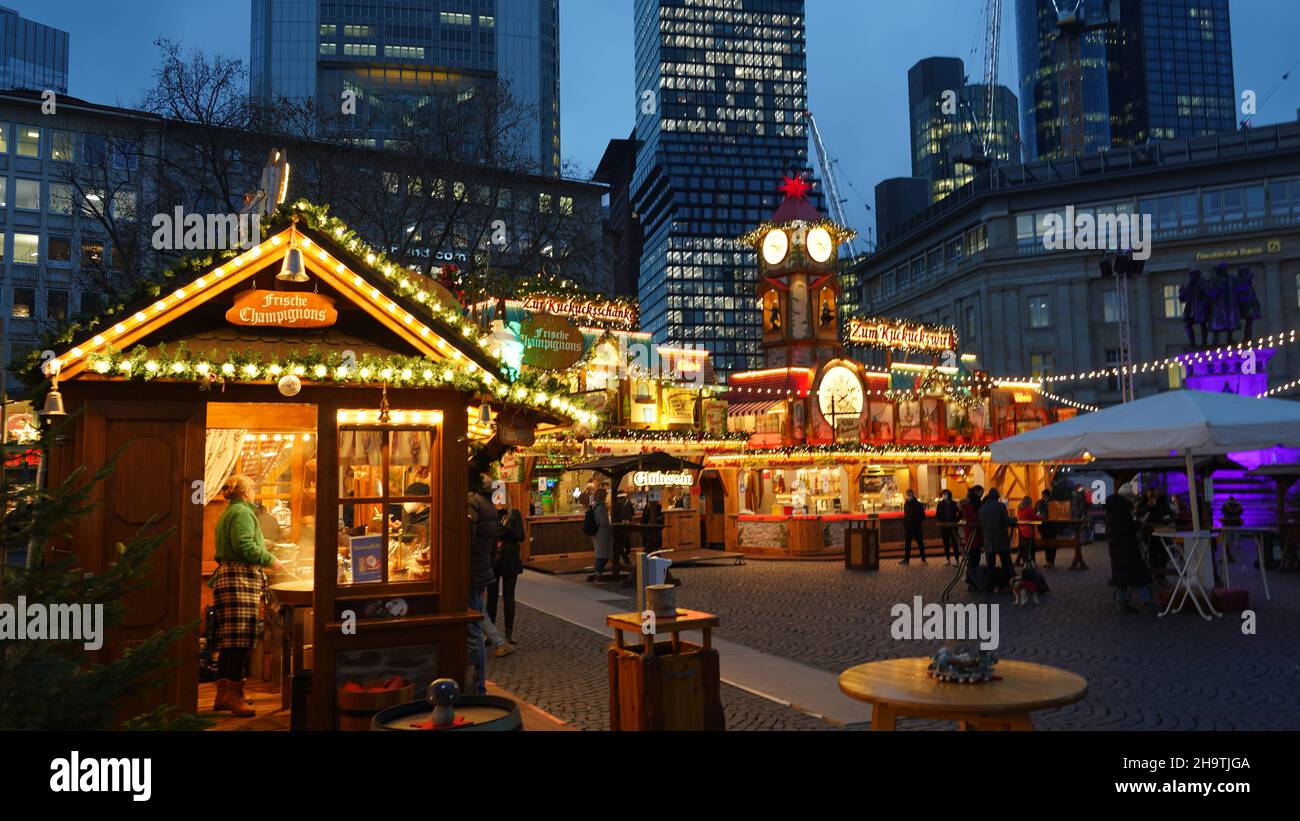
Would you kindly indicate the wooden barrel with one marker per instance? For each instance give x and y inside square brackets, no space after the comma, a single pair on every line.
[489,714]
[357,710]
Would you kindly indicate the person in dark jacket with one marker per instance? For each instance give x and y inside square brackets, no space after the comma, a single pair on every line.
[913,522]
[947,515]
[652,515]
[995,524]
[482,541]
[1048,531]
[1128,571]
[509,567]
[970,514]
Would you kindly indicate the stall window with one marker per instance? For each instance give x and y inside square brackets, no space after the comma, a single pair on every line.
[388,515]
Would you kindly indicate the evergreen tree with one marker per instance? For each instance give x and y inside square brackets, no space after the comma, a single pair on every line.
[51,684]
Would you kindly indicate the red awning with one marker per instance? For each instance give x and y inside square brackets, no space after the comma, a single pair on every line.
[753,408]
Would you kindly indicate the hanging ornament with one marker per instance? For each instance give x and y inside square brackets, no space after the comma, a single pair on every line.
[290,385]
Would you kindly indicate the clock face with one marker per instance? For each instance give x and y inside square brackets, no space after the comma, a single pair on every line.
[840,394]
[820,244]
[775,246]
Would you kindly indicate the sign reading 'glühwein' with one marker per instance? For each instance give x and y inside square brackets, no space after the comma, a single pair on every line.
[282,309]
[580,310]
[901,335]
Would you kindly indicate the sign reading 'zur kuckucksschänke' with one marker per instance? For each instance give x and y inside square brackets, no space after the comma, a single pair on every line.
[282,309]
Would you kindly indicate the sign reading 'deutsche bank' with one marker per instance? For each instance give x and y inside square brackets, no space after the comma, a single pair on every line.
[551,343]
[282,309]
[645,478]
[889,333]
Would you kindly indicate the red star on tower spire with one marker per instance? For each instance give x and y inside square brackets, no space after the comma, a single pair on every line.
[795,188]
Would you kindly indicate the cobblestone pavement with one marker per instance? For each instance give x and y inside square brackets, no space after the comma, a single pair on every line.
[1144,673]
[561,668]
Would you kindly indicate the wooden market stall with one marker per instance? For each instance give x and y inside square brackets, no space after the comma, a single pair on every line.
[350,395]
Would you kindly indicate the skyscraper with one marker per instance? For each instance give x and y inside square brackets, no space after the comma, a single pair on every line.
[1097,74]
[392,52]
[32,56]
[942,134]
[723,86]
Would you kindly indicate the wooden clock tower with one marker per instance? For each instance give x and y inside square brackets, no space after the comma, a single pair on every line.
[798,286]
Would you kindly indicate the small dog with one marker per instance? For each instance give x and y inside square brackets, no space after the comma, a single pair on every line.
[1023,591]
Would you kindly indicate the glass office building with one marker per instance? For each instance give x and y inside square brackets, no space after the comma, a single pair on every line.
[722,86]
[391,52]
[940,141]
[1144,70]
[32,56]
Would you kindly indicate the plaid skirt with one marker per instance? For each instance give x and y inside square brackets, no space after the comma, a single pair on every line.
[236,592]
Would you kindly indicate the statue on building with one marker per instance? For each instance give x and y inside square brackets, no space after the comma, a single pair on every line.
[1220,291]
[1195,313]
[1248,306]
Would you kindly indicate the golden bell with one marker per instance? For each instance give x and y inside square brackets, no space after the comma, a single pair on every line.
[53,405]
[292,269]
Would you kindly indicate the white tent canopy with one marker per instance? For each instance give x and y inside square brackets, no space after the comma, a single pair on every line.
[1182,423]
[1168,424]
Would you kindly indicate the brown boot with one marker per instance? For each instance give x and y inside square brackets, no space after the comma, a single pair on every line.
[235,701]
[219,703]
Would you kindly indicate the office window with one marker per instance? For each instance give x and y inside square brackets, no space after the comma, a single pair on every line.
[92,252]
[4,138]
[1041,364]
[1297,289]
[1025,227]
[58,249]
[1279,198]
[124,205]
[27,195]
[971,328]
[1173,307]
[60,198]
[24,303]
[1040,314]
[1110,305]
[61,145]
[27,248]
[1112,360]
[56,304]
[954,250]
[29,141]
[544,203]
[4,189]
[566,206]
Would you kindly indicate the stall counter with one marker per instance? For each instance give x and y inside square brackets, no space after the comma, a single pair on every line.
[819,535]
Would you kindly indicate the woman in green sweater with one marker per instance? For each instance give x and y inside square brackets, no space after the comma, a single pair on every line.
[237,591]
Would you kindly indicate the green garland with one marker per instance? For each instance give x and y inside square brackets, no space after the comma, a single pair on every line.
[531,390]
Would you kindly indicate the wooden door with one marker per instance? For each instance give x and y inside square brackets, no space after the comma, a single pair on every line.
[713,510]
[161,459]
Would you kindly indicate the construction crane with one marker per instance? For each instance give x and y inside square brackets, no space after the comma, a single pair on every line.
[983,128]
[850,298]
[1071,28]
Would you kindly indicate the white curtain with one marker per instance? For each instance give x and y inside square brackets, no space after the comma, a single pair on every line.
[220,454]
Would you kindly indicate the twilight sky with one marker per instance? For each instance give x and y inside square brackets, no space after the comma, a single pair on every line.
[859,53]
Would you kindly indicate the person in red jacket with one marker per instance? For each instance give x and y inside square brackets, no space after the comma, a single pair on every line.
[1027,517]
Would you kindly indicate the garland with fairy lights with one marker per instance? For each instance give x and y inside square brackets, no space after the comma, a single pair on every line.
[839,233]
[212,369]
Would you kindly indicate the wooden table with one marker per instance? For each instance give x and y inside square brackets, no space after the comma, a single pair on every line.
[903,687]
[686,620]
[1076,526]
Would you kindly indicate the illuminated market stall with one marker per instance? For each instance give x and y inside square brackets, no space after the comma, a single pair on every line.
[352,392]
[832,442]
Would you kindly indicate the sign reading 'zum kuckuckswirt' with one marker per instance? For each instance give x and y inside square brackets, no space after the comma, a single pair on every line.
[282,309]
[901,335]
